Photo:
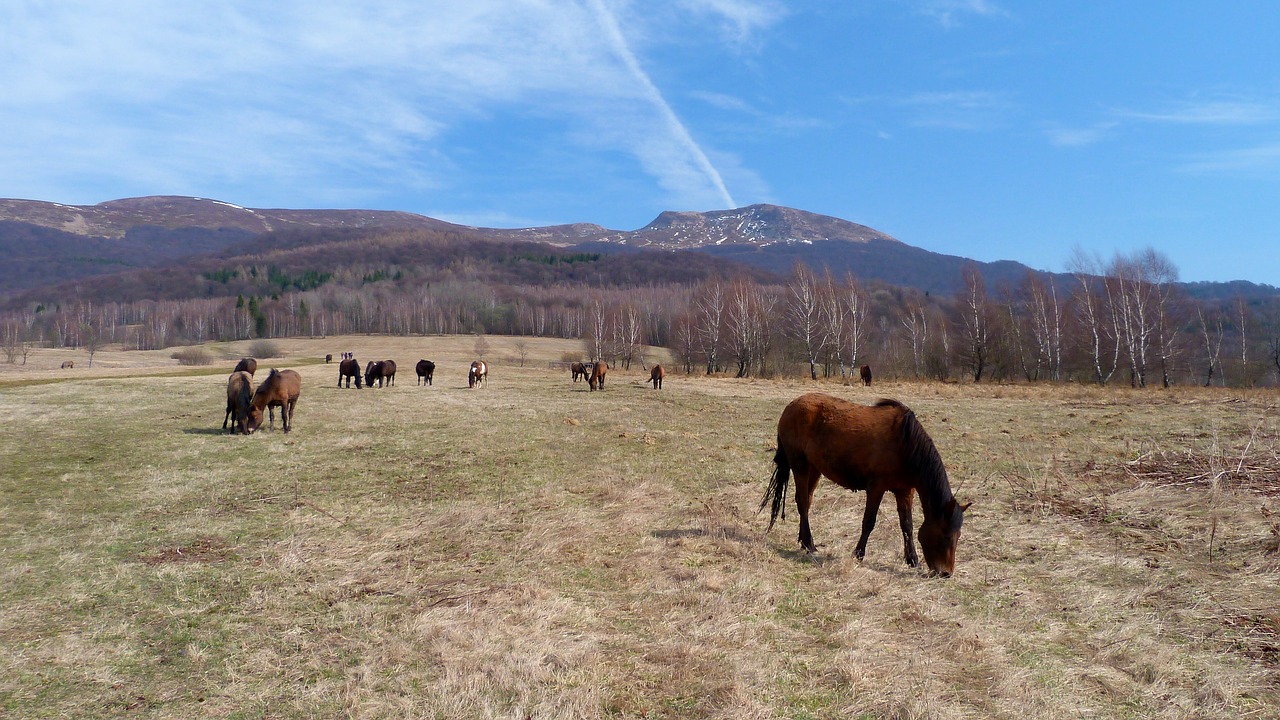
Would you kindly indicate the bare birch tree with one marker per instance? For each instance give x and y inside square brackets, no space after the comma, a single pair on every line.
[805,314]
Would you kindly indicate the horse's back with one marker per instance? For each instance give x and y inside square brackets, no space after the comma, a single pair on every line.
[848,442]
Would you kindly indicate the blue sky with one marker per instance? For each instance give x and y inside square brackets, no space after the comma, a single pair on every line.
[990,129]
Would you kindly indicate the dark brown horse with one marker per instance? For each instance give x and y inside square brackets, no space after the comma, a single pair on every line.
[579,370]
[881,448]
[68,364]
[281,390]
[425,369]
[248,365]
[239,397]
[656,375]
[865,373]
[598,371]
[328,358]
[477,374]
[381,371]
[349,368]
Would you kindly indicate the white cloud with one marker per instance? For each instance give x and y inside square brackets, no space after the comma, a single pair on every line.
[1210,112]
[1080,136]
[949,13]
[199,97]
[1265,156]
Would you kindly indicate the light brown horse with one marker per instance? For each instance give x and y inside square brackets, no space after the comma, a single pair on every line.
[881,448]
[239,398]
[656,375]
[68,364]
[598,371]
[281,390]
[477,374]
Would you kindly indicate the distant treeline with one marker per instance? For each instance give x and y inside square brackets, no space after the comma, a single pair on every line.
[1124,321]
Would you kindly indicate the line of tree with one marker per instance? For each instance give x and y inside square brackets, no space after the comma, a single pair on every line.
[1122,321]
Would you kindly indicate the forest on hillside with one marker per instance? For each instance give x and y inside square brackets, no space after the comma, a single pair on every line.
[1124,321]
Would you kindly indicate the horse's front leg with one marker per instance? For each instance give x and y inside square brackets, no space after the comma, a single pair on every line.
[904,498]
[874,495]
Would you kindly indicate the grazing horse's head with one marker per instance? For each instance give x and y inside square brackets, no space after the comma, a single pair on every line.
[939,536]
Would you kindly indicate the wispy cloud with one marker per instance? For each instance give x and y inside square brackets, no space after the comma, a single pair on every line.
[1210,112]
[1258,157]
[1079,136]
[951,13]
[324,99]
[655,157]
[957,110]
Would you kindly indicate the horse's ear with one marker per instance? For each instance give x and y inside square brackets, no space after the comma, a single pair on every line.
[966,506]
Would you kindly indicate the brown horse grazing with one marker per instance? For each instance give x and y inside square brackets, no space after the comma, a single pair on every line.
[656,375]
[477,374]
[865,373]
[425,369]
[579,371]
[239,398]
[881,448]
[328,358]
[349,368]
[280,390]
[248,365]
[381,371]
[596,381]
[68,364]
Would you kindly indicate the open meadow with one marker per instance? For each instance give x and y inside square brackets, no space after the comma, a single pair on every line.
[531,549]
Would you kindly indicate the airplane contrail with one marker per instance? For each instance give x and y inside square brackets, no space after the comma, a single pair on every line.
[614,34]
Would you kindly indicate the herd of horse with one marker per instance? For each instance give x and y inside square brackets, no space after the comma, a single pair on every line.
[878,449]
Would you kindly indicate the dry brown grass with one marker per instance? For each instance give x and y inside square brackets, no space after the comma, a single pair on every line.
[532,549]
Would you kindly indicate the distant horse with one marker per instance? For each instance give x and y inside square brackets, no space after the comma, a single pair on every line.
[349,368]
[381,371]
[68,364]
[579,370]
[281,390]
[880,448]
[328,358]
[656,375]
[596,381]
[239,399]
[425,369]
[865,373]
[477,374]
[248,365]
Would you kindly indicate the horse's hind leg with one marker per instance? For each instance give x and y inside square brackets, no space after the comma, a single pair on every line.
[807,478]
[874,495]
[904,498]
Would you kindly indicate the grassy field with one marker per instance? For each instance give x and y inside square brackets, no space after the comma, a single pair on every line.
[534,550]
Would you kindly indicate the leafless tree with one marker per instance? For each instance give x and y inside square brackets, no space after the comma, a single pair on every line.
[856,307]
[804,313]
[522,349]
[710,304]
[1093,303]
[975,321]
[1211,333]
[481,346]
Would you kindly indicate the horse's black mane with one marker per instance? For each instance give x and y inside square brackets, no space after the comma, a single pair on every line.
[922,459]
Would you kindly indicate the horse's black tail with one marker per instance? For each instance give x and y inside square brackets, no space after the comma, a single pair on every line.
[776,492]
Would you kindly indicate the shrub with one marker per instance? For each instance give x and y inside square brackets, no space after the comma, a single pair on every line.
[192,356]
[264,349]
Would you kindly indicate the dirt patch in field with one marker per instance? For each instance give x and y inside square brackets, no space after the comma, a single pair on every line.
[206,550]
